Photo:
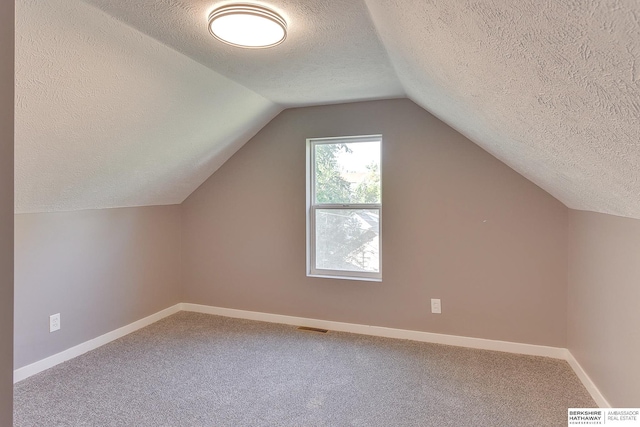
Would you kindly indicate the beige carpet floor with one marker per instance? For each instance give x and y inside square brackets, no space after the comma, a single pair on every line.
[200,370]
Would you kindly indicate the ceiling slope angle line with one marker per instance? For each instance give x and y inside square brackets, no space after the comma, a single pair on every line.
[107,116]
[331,53]
[551,91]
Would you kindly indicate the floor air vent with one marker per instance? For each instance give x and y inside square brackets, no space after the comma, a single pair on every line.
[308,329]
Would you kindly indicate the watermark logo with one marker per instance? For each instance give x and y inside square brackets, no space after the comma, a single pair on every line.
[627,417]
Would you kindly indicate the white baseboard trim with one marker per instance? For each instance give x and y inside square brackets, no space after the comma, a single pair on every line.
[380,331]
[51,361]
[586,381]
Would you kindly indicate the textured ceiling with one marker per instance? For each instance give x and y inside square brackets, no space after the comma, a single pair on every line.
[124,103]
[551,88]
[332,53]
[109,117]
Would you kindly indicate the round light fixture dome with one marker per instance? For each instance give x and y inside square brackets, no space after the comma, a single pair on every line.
[247,26]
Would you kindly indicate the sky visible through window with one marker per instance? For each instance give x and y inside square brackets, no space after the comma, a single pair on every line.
[361,156]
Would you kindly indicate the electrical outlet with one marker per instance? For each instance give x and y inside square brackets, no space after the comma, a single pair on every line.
[436,307]
[54,322]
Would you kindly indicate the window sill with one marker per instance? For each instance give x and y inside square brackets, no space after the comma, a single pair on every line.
[360,279]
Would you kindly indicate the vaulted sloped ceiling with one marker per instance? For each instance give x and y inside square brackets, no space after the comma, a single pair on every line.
[108,117]
[123,103]
[332,53]
[141,109]
[552,88]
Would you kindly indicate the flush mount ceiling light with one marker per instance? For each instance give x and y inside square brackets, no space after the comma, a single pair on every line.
[247,26]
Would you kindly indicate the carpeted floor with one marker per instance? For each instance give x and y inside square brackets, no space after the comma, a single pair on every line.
[200,370]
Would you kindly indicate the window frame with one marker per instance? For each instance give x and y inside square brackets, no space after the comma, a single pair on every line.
[312,207]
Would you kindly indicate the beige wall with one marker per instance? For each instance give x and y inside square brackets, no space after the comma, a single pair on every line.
[100,269]
[604,303]
[6,211]
[458,225]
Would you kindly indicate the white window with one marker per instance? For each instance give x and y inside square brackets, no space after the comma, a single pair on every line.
[344,207]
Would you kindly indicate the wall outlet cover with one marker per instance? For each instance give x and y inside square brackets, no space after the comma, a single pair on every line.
[54,322]
[436,307]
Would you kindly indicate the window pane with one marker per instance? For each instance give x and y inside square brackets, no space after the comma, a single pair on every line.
[347,172]
[348,239]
